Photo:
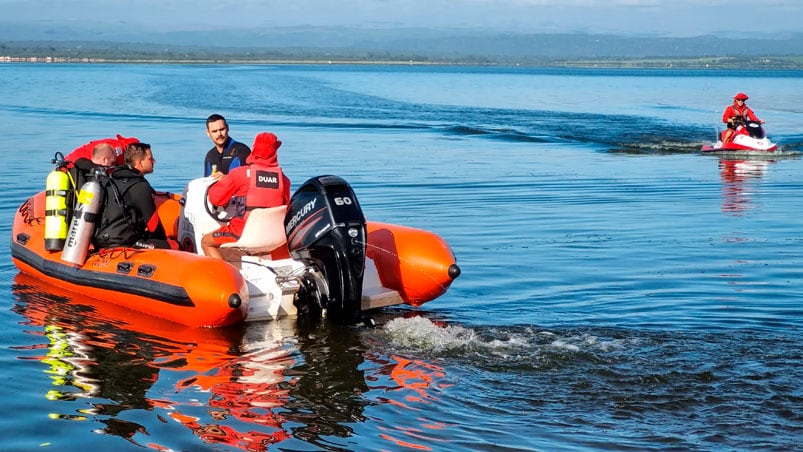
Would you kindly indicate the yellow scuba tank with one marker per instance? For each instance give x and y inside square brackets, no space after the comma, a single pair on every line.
[58,205]
[90,200]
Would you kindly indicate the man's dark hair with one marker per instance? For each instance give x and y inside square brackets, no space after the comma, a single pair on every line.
[136,152]
[215,117]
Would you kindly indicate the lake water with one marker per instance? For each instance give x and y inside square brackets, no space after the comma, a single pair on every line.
[620,291]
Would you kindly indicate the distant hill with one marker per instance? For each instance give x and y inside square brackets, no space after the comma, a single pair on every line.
[474,45]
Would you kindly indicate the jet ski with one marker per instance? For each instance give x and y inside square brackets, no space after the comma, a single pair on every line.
[748,137]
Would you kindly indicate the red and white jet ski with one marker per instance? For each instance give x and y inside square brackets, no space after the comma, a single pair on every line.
[747,138]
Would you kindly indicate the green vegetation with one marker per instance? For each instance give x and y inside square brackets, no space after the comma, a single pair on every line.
[81,52]
[755,62]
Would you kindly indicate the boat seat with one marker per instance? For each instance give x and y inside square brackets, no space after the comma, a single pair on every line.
[263,231]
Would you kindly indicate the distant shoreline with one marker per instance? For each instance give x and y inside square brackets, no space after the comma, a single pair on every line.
[726,63]
[396,47]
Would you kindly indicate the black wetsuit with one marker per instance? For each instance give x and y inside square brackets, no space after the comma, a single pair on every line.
[233,155]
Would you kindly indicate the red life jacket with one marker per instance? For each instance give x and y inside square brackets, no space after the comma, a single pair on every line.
[266,187]
[742,113]
[255,186]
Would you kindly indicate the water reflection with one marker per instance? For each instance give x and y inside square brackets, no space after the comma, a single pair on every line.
[739,178]
[243,387]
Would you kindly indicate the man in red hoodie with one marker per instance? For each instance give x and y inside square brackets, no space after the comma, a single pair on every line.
[260,183]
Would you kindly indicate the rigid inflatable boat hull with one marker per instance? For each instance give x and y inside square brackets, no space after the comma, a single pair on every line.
[182,287]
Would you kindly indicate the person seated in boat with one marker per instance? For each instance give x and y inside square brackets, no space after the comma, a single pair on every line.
[737,114]
[102,158]
[103,155]
[227,153]
[129,217]
[261,183]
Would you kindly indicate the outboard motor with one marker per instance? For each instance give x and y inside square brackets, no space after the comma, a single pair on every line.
[325,228]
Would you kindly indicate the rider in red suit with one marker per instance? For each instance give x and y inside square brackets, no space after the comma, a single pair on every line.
[261,183]
[737,114]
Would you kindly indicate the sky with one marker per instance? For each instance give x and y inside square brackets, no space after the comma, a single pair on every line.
[625,17]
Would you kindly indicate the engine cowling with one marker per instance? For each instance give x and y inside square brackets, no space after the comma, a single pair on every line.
[325,228]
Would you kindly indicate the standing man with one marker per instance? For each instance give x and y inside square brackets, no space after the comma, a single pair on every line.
[227,153]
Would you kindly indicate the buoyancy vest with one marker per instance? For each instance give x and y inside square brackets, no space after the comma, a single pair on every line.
[119,224]
[742,115]
[257,186]
[266,187]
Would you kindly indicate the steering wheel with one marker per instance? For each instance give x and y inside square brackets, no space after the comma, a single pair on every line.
[217,213]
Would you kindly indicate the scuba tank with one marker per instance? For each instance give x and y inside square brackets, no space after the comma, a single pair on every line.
[58,205]
[90,200]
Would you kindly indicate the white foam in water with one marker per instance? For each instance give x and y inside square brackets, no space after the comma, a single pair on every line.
[423,334]
[420,332]
[563,345]
[586,342]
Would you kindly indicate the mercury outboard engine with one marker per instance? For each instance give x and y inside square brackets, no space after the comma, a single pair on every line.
[325,229]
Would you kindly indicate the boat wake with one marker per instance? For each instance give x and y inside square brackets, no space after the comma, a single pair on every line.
[525,347]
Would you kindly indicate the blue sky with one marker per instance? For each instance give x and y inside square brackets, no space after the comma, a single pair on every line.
[664,17]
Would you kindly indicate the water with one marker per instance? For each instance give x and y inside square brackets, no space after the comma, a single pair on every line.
[619,291]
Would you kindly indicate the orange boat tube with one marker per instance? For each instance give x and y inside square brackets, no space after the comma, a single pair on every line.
[416,263]
[179,286]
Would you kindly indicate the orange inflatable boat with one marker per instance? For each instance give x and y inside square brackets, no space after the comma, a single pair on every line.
[317,256]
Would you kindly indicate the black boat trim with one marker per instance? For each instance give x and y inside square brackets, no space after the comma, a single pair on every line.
[168,293]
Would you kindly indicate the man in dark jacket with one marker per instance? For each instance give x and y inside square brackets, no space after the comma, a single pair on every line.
[227,153]
[129,216]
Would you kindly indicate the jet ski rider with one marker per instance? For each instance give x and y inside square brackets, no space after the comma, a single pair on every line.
[737,114]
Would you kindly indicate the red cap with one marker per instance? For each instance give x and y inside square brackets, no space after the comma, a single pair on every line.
[740,96]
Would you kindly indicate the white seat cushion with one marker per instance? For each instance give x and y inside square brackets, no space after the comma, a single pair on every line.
[263,231]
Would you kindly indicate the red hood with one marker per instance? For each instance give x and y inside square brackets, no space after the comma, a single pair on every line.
[264,150]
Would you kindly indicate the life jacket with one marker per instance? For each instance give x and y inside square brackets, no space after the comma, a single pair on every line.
[741,115]
[119,225]
[266,187]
